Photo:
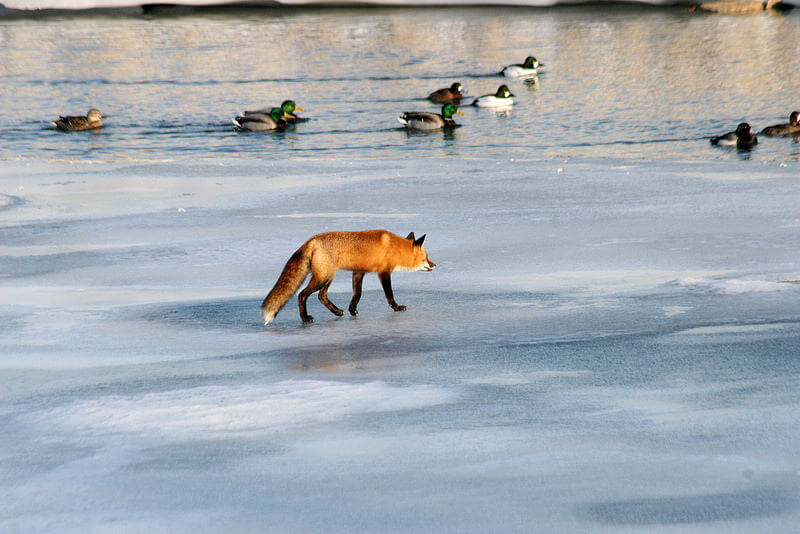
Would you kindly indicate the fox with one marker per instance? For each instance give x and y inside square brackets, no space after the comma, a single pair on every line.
[367,251]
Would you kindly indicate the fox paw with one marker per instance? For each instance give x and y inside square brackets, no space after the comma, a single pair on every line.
[400,308]
[307,319]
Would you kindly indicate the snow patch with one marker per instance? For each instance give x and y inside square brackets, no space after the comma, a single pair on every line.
[212,412]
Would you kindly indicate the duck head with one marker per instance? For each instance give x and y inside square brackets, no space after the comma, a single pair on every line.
[448,110]
[794,118]
[742,129]
[530,63]
[456,87]
[289,107]
[277,115]
[94,115]
[503,92]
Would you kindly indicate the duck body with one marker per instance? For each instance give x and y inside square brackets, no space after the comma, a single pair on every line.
[448,94]
[502,98]
[528,68]
[76,123]
[742,137]
[426,120]
[784,129]
[260,122]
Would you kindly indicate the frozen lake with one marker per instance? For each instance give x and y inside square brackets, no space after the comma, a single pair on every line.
[609,342]
[612,346]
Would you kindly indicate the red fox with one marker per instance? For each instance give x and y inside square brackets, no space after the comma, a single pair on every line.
[370,251]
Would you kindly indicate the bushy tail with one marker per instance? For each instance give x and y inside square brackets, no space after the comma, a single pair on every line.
[288,282]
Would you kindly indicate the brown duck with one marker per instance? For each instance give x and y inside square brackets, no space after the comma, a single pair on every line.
[448,94]
[76,123]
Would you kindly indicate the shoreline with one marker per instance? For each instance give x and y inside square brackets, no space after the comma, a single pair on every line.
[23,9]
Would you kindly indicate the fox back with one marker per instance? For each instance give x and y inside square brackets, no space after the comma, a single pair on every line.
[368,251]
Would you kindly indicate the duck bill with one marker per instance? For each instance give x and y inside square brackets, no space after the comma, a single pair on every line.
[298,108]
[458,112]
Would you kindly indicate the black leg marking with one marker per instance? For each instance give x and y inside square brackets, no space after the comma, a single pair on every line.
[313,285]
[357,279]
[323,298]
[386,282]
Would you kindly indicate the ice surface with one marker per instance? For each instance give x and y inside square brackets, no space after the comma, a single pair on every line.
[610,348]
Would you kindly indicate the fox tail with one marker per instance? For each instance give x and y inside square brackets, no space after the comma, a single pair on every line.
[293,274]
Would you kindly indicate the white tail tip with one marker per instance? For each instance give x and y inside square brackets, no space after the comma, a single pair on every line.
[268,316]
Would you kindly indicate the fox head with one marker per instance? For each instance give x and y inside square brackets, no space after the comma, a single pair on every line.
[420,261]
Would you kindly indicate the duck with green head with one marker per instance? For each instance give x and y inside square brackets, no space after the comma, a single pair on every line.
[528,68]
[287,106]
[261,122]
[426,120]
[73,123]
[503,97]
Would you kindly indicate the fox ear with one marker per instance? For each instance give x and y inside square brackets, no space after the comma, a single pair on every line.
[420,241]
[411,236]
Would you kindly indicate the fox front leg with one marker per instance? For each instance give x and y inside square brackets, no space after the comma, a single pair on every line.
[386,282]
[357,279]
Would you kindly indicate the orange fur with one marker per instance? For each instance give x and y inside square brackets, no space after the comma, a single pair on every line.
[369,251]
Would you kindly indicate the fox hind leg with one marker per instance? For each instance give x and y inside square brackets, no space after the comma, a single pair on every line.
[386,282]
[357,279]
[315,284]
[323,298]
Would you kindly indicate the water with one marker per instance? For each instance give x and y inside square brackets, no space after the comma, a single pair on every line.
[619,81]
[608,343]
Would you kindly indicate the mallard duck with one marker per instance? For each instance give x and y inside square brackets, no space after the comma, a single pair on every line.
[261,122]
[448,94]
[287,106]
[76,123]
[740,138]
[528,68]
[784,129]
[425,120]
[503,97]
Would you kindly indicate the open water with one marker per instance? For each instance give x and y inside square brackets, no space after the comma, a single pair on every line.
[618,81]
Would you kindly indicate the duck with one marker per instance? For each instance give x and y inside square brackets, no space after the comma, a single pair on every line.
[503,97]
[75,123]
[742,137]
[425,120]
[261,122]
[528,68]
[784,129]
[287,106]
[448,94]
